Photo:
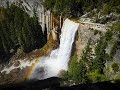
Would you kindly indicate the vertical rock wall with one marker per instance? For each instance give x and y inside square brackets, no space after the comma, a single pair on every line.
[84,34]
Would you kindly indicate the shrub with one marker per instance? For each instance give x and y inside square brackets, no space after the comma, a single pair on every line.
[115,67]
[95,76]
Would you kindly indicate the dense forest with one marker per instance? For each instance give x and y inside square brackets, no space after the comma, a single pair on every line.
[77,8]
[18,30]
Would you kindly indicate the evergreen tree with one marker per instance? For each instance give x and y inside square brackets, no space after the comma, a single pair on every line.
[77,70]
[87,55]
[100,55]
[17,28]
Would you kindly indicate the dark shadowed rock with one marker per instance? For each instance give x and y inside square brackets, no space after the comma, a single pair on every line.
[17,63]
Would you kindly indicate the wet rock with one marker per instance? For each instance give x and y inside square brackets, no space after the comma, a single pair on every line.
[16,70]
[12,51]
[17,63]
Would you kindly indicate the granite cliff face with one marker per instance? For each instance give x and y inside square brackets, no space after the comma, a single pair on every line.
[84,34]
[46,19]
[28,5]
[87,30]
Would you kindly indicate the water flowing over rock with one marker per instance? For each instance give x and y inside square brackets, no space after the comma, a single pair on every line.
[58,60]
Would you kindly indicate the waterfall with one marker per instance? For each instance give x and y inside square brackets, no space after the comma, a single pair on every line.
[50,66]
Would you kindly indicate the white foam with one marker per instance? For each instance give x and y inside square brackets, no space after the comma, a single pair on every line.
[23,64]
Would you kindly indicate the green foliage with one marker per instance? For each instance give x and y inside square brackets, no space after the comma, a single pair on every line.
[95,76]
[113,50]
[100,55]
[73,71]
[82,72]
[117,78]
[49,4]
[77,70]
[87,55]
[100,52]
[106,9]
[116,27]
[115,67]
[78,7]
[63,7]
[108,35]
[18,29]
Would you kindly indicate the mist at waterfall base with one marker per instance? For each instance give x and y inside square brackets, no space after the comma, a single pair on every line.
[50,66]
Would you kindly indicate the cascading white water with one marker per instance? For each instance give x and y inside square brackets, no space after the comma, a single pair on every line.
[58,60]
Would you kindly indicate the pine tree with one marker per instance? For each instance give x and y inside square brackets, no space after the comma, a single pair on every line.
[100,55]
